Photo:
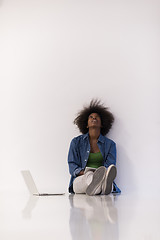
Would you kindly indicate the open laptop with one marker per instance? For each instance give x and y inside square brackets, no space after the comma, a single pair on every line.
[32,186]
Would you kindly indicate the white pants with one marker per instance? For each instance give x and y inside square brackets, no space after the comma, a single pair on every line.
[81,183]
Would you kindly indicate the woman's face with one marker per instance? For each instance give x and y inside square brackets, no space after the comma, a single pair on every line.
[94,120]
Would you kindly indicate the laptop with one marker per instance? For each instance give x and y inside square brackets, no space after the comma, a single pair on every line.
[32,186]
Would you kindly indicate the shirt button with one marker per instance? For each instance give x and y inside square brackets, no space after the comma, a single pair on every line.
[88,151]
[85,160]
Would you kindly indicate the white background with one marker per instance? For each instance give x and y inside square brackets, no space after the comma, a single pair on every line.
[55,56]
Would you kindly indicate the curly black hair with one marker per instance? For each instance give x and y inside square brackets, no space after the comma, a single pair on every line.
[95,106]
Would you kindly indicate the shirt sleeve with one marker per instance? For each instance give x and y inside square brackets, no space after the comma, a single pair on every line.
[73,160]
[111,156]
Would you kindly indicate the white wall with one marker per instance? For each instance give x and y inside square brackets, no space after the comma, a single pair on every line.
[57,55]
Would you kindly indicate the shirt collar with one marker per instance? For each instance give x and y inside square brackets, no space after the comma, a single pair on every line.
[100,139]
[85,135]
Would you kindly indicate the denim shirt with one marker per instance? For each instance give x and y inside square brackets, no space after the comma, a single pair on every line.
[79,152]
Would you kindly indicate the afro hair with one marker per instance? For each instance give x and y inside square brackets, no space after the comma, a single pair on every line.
[95,106]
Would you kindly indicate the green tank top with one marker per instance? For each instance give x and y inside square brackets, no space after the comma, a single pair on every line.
[95,160]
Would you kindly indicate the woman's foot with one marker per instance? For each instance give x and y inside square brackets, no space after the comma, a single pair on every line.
[109,178]
[98,178]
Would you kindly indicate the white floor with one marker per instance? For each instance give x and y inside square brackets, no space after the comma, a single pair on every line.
[121,217]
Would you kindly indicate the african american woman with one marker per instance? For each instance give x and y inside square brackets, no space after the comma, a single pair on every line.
[92,156]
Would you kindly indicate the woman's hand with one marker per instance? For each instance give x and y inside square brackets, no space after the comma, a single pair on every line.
[81,173]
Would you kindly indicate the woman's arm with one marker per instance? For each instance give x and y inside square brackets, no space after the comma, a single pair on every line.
[74,163]
[111,156]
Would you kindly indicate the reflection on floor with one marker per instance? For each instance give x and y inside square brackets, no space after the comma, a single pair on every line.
[79,216]
[93,217]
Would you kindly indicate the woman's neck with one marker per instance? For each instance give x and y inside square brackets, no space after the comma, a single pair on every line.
[94,133]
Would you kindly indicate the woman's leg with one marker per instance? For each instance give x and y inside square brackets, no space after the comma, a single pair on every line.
[91,182]
[81,183]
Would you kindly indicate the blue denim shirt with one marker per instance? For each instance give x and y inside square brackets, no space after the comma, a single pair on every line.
[79,152]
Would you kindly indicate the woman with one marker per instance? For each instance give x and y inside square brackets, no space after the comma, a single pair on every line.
[92,156]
